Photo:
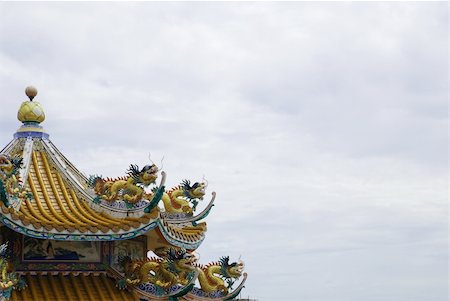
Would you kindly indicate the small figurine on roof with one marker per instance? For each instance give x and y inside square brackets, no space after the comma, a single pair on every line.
[9,279]
[10,181]
[130,188]
[179,198]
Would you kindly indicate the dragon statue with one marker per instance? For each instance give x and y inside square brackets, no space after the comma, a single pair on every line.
[212,277]
[9,279]
[10,180]
[129,188]
[178,199]
[165,272]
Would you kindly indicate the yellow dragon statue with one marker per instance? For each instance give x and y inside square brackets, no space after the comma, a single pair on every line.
[212,277]
[9,279]
[129,188]
[163,272]
[178,199]
[10,180]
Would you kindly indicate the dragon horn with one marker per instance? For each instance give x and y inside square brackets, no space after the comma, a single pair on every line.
[196,255]
[241,262]
[204,179]
[162,165]
[150,157]
[163,178]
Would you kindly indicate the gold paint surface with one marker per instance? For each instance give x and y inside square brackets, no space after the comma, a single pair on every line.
[70,287]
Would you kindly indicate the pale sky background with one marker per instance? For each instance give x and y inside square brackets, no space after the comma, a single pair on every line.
[322,126]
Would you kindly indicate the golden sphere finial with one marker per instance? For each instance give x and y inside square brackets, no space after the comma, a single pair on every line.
[31,111]
[31,92]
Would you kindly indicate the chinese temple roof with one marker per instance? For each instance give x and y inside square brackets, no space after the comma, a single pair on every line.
[53,199]
[44,196]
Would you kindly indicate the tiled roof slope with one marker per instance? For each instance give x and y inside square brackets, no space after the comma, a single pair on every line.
[56,205]
[71,288]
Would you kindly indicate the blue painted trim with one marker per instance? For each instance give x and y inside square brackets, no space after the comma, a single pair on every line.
[99,237]
[31,134]
[186,245]
[76,237]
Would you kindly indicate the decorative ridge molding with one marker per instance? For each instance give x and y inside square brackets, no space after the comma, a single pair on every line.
[195,218]
[16,225]
[26,156]
[9,146]
[64,273]
[178,242]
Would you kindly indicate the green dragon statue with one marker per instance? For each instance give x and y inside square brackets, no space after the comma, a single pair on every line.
[165,272]
[129,188]
[9,279]
[178,198]
[213,276]
[10,180]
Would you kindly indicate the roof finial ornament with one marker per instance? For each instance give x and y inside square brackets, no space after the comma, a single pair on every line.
[31,111]
[31,92]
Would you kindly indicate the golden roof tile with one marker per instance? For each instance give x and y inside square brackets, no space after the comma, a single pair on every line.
[71,288]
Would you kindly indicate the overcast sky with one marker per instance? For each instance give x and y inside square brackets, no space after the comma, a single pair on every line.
[322,127]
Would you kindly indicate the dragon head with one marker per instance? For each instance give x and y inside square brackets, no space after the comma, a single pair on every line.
[96,182]
[131,271]
[196,191]
[230,270]
[9,165]
[129,266]
[146,176]
[181,258]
